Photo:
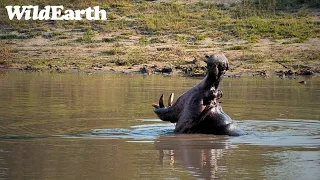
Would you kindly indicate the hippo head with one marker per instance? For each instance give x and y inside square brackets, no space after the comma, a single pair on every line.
[197,110]
[217,65]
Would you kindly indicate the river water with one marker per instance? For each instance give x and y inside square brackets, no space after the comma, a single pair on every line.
[102,126]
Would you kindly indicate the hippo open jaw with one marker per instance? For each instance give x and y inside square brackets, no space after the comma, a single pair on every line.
[198,110]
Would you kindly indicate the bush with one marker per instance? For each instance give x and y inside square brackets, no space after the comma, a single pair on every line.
[87,36]
[143,40]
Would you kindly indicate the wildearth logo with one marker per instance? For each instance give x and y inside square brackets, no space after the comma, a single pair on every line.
[55,13]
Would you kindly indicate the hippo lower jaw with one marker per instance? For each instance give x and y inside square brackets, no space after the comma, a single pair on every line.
[198,110]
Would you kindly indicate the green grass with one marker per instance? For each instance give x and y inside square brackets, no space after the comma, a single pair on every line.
[299,40]
[116,38]
[88,36]
[157,40]
[143,40]
[21,36]
[249,20]
[284,59]
[180,38]
[111,39]
[239,47]
[253,58]
[13,36]
[130,57]
[114,51]
[200,37]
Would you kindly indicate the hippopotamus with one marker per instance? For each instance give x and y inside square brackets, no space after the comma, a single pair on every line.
[198,110]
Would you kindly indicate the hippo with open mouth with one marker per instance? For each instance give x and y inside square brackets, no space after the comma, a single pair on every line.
[198,110]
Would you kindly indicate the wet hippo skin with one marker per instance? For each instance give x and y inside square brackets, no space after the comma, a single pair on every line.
[198,110]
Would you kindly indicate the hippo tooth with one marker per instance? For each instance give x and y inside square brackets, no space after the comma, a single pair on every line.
[170,101]
[161,105]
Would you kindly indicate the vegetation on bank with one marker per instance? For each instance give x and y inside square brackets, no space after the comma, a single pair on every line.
[186,25]
[247,20]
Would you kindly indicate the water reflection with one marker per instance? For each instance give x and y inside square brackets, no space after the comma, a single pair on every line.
[57,158]
[201,155]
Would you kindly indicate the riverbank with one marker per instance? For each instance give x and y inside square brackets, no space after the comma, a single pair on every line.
[167,37]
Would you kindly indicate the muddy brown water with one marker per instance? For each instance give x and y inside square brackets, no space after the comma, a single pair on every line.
[102,126]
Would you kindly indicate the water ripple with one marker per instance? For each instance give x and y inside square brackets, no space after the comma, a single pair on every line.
[281,132]
[138,132]
[278,132]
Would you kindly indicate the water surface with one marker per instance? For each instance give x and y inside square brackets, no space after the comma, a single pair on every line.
[102,126]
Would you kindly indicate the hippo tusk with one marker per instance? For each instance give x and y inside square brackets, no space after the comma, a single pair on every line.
[170,100]
[161,105]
